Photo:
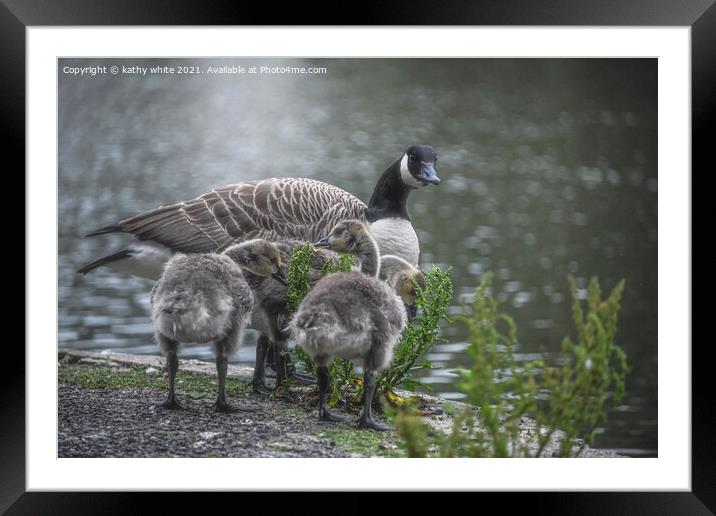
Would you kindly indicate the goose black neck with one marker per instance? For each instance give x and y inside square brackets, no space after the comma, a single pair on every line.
[390,196]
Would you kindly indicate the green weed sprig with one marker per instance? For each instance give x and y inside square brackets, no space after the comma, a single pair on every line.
[580,391]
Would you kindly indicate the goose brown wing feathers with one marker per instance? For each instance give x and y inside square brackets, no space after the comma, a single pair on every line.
[298,208]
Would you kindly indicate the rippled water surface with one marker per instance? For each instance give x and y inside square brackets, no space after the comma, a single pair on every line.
[548,168]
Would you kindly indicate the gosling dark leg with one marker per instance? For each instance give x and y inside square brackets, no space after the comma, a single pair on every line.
[290,369]
[258,382]
[223,350]
[324,414]
[294,375]
[271,366]
[281,361]
[284,368]
[172,368]
[367,420]
[222,366]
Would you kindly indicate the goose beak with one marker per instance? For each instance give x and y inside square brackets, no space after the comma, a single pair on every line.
[280,276]
[323,242]
[428,175]
[412,311]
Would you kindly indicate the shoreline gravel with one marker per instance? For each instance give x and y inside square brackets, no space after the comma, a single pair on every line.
[123,421]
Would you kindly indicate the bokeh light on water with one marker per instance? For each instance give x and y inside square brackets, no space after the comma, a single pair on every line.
[548,167]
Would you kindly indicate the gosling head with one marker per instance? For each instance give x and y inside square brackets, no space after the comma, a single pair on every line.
[345,237]
[418,168]
[259,257]
[405,287]
[404,279]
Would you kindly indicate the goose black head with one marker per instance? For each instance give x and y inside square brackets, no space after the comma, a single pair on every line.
[418,168]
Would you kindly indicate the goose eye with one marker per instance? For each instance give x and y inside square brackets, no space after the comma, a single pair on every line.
[411,158]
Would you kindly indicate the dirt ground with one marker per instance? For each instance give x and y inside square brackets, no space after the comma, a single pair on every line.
[107,408]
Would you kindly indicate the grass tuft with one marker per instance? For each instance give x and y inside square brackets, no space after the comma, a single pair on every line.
[110,376]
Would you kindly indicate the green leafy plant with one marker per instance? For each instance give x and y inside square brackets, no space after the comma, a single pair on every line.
[413,431]
[566,402]
[302,260]
[299,268]
[592,377]
[494,374]
[420,335]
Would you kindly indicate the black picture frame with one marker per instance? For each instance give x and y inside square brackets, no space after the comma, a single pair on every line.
[700,15]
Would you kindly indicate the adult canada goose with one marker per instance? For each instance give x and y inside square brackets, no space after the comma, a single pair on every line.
[205,298]
[271,313]
[354,315]
[274,209]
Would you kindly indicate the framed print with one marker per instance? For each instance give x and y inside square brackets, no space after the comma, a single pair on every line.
[501,159]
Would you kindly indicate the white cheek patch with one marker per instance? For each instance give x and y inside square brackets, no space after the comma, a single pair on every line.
[406,176]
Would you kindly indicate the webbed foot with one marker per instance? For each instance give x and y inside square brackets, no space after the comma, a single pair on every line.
[301,378]
[260,387]
[224,407]
[284,393]
[327,415]
[170,404]
[374,425]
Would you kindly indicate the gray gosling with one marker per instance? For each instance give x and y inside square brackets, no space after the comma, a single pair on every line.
[400,274]
[354,315]
[205,298]
[271,315]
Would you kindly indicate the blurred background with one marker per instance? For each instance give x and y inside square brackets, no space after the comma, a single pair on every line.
[549,167]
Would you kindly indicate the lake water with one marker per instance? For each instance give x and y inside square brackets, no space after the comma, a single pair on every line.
[548,166]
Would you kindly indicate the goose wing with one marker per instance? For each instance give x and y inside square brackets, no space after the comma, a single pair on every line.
[299,208]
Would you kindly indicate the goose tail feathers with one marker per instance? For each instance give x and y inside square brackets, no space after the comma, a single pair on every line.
[111,228]
[120,255]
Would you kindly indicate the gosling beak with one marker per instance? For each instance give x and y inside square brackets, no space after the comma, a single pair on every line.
[428,175]
[323,242]
[412,311]
[280,276]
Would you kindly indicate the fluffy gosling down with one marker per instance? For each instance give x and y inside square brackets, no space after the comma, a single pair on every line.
[271,315]
[354,315]
[205,298]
